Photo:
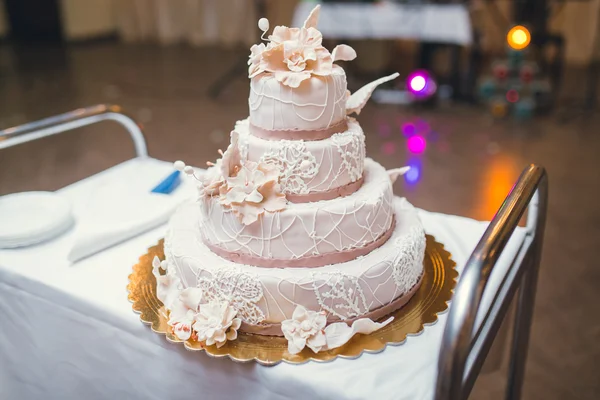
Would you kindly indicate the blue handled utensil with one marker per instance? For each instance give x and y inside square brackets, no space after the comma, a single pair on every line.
[169,184]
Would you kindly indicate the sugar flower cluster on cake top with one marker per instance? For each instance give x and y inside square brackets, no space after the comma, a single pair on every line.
[292,55]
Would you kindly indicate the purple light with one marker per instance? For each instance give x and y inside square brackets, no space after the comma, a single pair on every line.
[417,83]
[413,174]
[408,129]
[421,84]
[416,144]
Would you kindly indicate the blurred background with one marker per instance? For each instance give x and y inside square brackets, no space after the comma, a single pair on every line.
[486,87]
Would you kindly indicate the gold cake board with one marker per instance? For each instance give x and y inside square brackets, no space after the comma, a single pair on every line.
[430,299]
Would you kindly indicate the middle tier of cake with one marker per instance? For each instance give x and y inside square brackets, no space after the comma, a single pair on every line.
[305,234]
[310,170]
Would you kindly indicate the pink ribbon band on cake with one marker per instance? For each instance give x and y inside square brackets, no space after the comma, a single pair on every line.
[331,194]
[303,262]
[319,134]
[376,314]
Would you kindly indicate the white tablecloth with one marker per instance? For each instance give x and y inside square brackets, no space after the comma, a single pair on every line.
[444,23]
[68,331]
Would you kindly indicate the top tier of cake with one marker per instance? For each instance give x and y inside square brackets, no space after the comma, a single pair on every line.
[315,109]
[296,90]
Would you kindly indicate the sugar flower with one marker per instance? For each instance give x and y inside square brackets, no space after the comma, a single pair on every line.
[230,162]
[216,323]
[306,328]
[182,326]
[168,285]
[183,311]
[254,60]
[293,55]
[254,190]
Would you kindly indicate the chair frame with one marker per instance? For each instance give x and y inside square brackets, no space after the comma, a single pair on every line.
[73,120]
[464,348]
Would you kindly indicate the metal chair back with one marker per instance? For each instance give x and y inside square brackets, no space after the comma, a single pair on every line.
[72,120]
[464,348]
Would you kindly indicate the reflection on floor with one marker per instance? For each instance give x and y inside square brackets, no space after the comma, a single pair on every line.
[462,164]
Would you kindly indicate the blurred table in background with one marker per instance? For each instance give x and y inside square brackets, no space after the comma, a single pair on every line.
[435,26]
[440,23]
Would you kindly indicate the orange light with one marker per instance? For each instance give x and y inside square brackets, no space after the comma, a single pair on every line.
[518,37]
[498,177]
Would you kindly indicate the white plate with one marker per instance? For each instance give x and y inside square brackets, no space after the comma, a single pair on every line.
[32,217]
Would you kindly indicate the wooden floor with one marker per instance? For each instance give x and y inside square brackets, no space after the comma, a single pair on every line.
[469,165]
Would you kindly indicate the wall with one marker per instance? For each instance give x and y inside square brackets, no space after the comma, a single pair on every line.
[87,19]
[3,20]
[580,25]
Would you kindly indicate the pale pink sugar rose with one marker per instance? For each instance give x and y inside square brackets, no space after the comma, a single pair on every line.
[254,61]
[306,328]
[293,54]
[216,323]
[254,190]
[182,327]
[232,160]
[213,180]
[183,311]
[224,167]
[343,52]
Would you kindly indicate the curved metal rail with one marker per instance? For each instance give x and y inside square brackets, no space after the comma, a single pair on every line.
[463,349]
[72,120]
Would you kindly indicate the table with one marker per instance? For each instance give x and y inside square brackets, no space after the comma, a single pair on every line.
[441,23]
[68,331]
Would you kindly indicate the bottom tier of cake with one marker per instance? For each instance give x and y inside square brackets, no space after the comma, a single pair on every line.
[370,286]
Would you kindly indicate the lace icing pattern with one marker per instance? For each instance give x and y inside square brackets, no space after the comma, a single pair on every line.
[352,154]
[239,288]
[340,294]
[296,163]
[409,259]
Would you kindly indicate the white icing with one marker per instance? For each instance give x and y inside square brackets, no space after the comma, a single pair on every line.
[270,295]
[318,103]
[309,166]
[305,229]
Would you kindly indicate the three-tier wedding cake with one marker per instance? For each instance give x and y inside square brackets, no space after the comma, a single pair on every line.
[294,232]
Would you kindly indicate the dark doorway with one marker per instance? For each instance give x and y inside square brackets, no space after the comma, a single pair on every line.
[34,20]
